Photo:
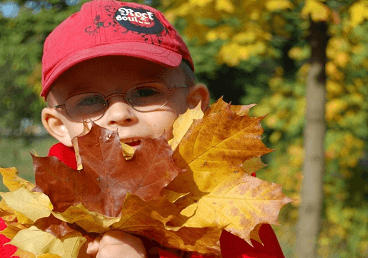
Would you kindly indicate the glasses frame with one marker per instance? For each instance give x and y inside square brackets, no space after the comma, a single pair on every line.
[62,107]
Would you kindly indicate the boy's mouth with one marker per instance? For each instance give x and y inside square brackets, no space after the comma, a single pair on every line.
[132,142]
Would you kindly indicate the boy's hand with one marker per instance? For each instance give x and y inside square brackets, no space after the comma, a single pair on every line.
[117,244]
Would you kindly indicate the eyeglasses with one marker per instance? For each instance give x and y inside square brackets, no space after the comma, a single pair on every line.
[92,106]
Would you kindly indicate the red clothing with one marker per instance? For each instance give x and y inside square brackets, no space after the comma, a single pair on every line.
[231,246]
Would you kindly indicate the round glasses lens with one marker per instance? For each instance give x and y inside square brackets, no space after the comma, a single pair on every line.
[147,97]
[87,106]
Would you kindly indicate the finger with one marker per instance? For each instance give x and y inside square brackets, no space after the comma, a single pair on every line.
[93,247]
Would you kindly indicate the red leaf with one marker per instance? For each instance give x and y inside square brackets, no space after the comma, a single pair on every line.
[106,176]
[6,251]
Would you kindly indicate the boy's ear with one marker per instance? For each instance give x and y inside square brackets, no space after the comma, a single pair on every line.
[55,126]
[198,93]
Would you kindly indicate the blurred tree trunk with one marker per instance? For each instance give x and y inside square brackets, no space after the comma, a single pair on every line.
[309,222]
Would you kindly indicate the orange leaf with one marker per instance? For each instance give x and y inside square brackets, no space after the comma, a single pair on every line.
[215,147]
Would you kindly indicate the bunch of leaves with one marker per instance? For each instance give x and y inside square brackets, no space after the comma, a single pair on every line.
[181,194]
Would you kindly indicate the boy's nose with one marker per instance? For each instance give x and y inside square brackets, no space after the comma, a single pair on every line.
[119,112]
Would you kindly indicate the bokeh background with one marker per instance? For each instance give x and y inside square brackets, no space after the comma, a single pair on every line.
[248,52]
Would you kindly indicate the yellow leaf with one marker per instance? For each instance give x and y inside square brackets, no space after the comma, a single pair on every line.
[24,254]
[137,213]
[128,151]
[38,242]
[254,234]
[253,165]
[45,245]
[88,220]
[214,148]
[31,204]
[6,213]
[172,196]
[317,10]
[342,58]
[200,240]
[225,5]
[12,181]
[201,3]
[358,13]
[183,123]
[220,104]
[274,5]
[72,245]
[239,204]
[48,256]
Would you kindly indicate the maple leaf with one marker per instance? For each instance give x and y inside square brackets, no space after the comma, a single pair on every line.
[39,242]
[150,218]
[183,123]
[31,205]
[238,204]
[106,176]
[215,147]
[12,181]
[220,104]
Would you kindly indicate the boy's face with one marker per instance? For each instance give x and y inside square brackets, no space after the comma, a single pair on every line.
[116,74]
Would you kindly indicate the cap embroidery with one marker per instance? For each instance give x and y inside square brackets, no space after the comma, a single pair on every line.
[128,19]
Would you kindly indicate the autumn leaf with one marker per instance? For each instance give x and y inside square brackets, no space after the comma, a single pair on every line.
[150,218]
[106,176]
[90,221]
[54,226]
[220,104]
[31,205]
[12,181]
[183,123]
[215,147]
[238,204]
[39,242]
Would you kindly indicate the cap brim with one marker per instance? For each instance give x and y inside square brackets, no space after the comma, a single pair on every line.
[142,50]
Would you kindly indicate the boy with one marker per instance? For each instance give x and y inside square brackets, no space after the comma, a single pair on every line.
[123,66]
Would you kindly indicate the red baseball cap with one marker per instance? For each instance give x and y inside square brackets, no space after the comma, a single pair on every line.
[108,27]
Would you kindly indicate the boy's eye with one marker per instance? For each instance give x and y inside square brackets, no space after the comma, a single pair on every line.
[91,100]
[145,92]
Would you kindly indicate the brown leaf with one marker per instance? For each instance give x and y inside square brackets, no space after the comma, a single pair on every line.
[106,176]
[54,226]
[149,219]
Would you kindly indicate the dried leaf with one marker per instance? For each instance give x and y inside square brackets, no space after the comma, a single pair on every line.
[39,242]
[220,104]
[128,151]
[253,165]
[88,220]
[54,226]
[150,218]
[204,240]
[24,254]
[238,204]
[214,148]
[183,123]
[32,205]
[106,176]
[12,181]
[49,256]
